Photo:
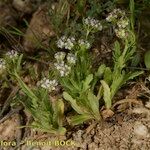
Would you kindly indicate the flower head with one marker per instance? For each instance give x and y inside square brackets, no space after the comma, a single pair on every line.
[93,23]
[60,56]
[48,84]
[83,43]
[123,23]
[115,14]
[121,33]
[63,68]
[71,58]
[70,42]
[61,42]
[67,43]
[12,54]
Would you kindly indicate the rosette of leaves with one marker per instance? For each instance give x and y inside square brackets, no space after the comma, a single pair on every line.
[47,114]
[86,104]
[78,89]
[113,80]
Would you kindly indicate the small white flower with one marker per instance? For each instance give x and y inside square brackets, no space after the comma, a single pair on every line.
[93,23]
[48,84]
[60,56]
[71,58]
[12,54]
[70,42]
[111,17]
[115,14]
[2,64]
[59,65]
[116,10]
[123,23]
[83,43]
[121,33]
[61,42]
[63,69]
[67,43]
[121,13]
[62,73]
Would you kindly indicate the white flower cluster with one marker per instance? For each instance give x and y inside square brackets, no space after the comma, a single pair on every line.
[121,33]
[115,14]
[93,23]
[71,58]
[67,43]
[83,43]
[2,65]
[119,17]
[61,66]
[12,54]
[48,84]
[123,23]
[60,56]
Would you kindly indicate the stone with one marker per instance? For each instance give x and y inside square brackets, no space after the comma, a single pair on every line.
[26,6]
[39,30]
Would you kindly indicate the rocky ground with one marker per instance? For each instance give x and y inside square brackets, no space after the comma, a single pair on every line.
[127,129]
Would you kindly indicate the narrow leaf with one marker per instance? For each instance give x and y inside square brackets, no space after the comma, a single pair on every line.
[147,59]
[100,70]
[94,104]
[59,112]
[79,119]
[87,81]
[108,75]
[27,91]
[132,75]
[73,103]
[107,94]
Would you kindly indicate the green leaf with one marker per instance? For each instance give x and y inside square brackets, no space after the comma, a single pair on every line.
[44,96]
[108,75]
[67,85]
[87,81]
[18,68]
[61,131]
[81,5]
[75,85]
[117,52]
[79,119]
[16,31]
[132,75]
[94,104]
[100,71]
[100,92]
[58,112]
[147,59]
[136,60]
[107,94]
[116,84]
[50,129]
[27,90]
[73,103]
[132,15]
